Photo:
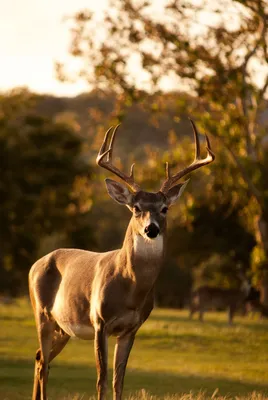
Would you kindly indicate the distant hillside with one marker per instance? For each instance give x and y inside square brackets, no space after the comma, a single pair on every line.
[139,128]
[143,125]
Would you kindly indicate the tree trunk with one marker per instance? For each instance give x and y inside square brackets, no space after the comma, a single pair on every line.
[262,239]
[264,287]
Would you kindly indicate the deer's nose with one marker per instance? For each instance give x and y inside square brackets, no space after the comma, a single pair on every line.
[151,230]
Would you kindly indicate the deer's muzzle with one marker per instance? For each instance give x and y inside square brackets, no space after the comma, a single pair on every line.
[152,230]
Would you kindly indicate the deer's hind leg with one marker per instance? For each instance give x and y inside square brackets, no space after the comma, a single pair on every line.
[60,339]
[45,330]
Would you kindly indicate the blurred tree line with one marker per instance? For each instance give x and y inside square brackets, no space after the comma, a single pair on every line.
[53,195]
[217,52]
[41,174]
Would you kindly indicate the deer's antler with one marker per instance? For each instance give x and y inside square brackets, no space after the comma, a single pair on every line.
[104,159]
[197,163]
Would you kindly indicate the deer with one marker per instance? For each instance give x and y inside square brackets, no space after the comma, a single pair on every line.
[232,299]
[89,295]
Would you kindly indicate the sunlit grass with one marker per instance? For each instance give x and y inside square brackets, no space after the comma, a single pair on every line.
[171,356]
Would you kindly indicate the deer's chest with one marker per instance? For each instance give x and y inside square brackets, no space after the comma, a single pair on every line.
[148,258]
[131,319]
[127,321]
[121,308]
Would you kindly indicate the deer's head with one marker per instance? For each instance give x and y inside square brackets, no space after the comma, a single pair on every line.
[149,210]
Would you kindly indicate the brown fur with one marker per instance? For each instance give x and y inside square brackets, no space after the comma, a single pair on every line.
[94,295]
[75,292]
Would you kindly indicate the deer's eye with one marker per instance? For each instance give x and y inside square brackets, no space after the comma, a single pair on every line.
[164,210]
[137,209]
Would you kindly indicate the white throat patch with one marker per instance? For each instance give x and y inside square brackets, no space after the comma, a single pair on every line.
[147,248]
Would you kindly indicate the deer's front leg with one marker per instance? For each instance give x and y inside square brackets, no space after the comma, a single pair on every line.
[121,353]
[101,355]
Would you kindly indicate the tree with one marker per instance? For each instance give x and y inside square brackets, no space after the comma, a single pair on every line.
[40,170]
[219,53]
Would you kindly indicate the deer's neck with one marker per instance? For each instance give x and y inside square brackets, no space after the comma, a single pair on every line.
[148,250]
[144,257]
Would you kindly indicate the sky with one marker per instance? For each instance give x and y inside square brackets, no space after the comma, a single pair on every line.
[33,35]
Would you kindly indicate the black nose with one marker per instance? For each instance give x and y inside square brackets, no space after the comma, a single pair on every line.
[151,231]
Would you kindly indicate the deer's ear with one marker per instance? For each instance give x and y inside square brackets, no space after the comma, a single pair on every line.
[175,192]
[119,192]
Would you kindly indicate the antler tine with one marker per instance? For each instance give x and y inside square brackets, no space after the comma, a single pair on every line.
[196,139]
[167,170]
[208,147]
[197,163]
[107,164]
[103,150]
[110,153]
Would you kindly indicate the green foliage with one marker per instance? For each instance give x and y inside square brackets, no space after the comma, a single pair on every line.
[222,62]
[58,205]
[40,160]
[211,249]
[173,285]
[225,226]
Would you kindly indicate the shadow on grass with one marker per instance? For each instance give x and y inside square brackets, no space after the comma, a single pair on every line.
[66,379]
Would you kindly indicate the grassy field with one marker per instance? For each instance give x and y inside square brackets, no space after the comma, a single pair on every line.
[172,358]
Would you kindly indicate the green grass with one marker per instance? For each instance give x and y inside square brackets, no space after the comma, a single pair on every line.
[172,358]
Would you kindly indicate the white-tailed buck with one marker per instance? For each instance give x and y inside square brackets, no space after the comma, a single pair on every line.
[206,298]
[77,293]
